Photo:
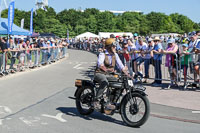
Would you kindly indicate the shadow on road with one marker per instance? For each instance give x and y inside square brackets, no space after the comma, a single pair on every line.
[89,73]
[73,112]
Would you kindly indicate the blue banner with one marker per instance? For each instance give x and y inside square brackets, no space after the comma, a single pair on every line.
[31,22]
[11,11]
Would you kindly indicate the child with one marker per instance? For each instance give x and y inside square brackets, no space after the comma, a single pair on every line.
[185,62]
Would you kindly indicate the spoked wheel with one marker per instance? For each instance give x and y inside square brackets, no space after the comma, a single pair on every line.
[135,110]
[84,100]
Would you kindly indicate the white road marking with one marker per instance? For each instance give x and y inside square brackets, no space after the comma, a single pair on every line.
[30,122]
[57,117]
[1,122]
[44,123]
[77,66]
[5,110]
[196,112]
[27,122]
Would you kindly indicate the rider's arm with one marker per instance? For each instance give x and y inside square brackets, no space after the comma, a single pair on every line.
[100,62]
[119,62]
[120,65]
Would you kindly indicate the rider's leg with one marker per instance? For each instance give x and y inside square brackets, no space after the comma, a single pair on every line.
[102,80]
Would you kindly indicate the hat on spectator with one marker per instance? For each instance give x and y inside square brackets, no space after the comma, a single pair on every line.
[48,42]
[171,41]
[192,34]
[124,35]
[52,40]
[198,33]
[156,38]
[42,39]
[125,41]
[150,39]
[135,34]
[112,36]
[185,45]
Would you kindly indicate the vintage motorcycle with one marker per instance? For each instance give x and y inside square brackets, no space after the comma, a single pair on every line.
[130,99]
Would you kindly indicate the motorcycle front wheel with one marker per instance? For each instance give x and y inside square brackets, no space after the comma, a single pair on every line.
[84,99]
[135,109]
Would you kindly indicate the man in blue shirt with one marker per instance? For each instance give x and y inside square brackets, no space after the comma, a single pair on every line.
[157,61]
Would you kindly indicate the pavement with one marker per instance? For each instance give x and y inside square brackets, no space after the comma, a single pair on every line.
[36,101]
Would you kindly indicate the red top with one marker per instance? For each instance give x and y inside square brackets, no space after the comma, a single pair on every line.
[126,56]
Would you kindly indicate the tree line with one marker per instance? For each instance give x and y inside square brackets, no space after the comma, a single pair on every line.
[92,20]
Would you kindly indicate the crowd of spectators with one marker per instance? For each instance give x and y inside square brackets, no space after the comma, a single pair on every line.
[19,54]
[181,52]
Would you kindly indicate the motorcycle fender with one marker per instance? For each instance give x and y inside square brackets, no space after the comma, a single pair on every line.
[84,84]
[77,91]
[87,83]
[140,92]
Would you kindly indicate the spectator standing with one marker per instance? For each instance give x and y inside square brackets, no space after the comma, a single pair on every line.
[194,60]
[147,60]
[21,55]
[157,61]
[14,50]
[184,62]
[171,60]
[3,48]
[127,56]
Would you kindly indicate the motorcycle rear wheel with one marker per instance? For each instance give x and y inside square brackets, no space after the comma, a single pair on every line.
[84,100]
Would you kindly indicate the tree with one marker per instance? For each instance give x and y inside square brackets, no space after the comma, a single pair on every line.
[183,23]
[93,20]
[105,22]
[71,17]
[79,29]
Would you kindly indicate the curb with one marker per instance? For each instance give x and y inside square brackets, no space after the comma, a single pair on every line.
[173,113]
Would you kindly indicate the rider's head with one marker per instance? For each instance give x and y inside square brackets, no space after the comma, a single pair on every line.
[110,45]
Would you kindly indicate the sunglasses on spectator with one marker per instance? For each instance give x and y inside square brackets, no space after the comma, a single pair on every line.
[155,40]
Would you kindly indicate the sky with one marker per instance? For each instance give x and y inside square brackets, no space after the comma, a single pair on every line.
[190,8]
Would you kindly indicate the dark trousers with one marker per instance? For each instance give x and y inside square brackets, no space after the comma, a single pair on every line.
[102,79]
[158,71]
[146,67]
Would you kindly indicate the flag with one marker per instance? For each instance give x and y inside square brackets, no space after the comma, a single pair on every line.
[31,22]
[11,10]
[22,23]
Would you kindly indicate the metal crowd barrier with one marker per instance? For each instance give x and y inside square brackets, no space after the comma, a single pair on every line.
[166,71]
[34,57]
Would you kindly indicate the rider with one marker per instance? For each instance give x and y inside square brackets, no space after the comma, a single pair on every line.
[105,66]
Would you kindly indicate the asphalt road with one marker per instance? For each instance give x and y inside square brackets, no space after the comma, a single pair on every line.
[37,102]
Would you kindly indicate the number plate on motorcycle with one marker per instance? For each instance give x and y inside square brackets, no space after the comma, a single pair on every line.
[130,83]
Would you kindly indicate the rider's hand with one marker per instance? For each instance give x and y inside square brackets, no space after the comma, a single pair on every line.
[111,70]
[125,70]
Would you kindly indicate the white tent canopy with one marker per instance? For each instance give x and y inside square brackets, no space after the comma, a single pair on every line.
[107,34]
[165,34]
[87,35]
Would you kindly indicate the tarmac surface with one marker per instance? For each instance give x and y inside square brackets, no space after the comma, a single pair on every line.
[36,101]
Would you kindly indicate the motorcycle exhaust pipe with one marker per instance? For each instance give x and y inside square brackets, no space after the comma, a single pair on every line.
[73,98]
